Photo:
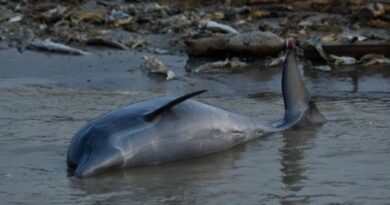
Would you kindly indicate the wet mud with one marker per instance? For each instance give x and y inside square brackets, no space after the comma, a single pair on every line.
[120,71]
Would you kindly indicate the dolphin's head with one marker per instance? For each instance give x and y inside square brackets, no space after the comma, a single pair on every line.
[125,137]
[91,152]
[100,145]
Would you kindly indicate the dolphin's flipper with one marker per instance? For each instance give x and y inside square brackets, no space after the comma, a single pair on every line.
[299,108]
[152,115]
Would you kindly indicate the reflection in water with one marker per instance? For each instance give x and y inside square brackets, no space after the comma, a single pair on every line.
[172,183]
[355,81]
[296,142]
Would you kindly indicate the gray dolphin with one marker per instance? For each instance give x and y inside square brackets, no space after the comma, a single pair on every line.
[167,129]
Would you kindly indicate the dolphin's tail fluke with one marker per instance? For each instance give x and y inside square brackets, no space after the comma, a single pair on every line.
[299,108]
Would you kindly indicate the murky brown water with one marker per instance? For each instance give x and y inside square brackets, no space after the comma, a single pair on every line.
[344,161]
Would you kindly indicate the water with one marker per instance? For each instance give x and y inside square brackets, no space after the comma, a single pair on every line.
[345,161]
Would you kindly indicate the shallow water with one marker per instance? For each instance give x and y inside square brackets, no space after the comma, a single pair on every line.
[344,161]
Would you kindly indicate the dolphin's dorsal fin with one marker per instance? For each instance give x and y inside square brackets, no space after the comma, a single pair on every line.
[152,115]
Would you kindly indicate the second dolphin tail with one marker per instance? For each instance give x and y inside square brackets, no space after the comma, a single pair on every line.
[299,108]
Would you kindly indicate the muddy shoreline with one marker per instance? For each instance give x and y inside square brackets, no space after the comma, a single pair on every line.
[119,71]
[160,29]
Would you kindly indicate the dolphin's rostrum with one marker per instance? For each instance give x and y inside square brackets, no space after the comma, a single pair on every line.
[168,129]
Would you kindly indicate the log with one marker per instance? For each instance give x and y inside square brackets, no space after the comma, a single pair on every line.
[356,50]
[256,43]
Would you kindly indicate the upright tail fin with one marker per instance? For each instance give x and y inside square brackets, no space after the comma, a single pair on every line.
[299,108]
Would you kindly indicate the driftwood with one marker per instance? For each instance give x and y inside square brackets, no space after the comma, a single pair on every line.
[356,50]
[255,43]
[107,43]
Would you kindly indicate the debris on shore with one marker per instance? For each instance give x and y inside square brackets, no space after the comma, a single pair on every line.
[366,60]
[371,59]
[153,65]
[255,28]
[107,43]
[276,61]
[226,66]
[51,46]
[217,27]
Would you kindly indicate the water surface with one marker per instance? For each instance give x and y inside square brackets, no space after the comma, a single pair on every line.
[345,161]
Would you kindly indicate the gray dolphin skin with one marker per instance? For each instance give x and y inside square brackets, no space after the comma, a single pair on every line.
[168,129]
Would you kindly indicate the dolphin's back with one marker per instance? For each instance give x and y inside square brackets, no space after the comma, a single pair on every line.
[186,130]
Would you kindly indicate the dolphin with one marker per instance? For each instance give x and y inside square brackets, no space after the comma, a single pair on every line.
[167,129]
